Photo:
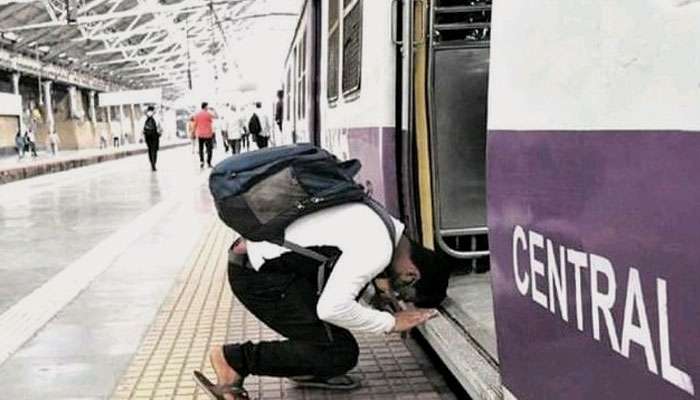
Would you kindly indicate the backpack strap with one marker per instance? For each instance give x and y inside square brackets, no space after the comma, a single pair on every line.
[386,219]
[304,251]
[321,274]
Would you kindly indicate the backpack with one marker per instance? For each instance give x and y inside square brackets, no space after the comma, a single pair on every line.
[150,128]
[259,193]
[254,126]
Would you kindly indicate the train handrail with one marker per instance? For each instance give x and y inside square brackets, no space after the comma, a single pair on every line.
[394,23]
[460,254]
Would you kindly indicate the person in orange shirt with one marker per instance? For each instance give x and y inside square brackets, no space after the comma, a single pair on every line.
[191,135]
[204,131]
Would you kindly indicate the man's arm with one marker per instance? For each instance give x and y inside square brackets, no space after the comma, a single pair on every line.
[352,272]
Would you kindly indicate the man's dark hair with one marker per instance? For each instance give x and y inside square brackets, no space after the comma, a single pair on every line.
[434,268]
[258,104]
[204,105]
[280,93]
[150,108]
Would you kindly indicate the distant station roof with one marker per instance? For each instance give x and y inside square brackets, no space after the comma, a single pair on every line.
[137,43]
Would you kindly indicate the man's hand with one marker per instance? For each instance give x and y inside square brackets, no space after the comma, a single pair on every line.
[407,320]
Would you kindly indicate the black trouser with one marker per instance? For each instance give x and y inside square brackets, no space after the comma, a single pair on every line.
[153,144]
[209,142]
[262,141]
[245,141]
[224,139]
[286,302]
[30,146]
[235,145]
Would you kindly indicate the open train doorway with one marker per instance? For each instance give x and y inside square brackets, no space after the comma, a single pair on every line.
[450,72]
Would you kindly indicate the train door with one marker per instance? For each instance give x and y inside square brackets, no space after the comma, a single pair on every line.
[458,68]
[449,81]
[402,35]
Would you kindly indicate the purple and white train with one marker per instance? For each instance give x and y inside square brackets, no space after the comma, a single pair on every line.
[577,188]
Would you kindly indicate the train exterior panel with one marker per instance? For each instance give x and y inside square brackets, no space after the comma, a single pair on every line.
[358,121]
[346,49]
[593,153]
[298,83]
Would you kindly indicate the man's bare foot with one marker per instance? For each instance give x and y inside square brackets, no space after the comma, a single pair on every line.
[225,375]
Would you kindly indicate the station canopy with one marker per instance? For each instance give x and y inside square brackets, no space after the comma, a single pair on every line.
[177,45]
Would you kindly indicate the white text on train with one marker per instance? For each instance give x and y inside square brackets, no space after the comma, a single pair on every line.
[553,275]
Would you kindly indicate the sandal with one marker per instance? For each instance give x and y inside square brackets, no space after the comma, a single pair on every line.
[217,392]
[342,382]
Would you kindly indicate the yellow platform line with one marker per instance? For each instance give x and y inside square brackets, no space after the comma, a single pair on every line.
[178,340]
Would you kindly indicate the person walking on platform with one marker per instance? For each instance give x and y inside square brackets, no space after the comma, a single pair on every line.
[30,143]
[233,130]
[103,139]
[204,130]
[279,109]
[116,141]
[243,129]
[54,141]
[19,145]
[191,134]
[259,126]
[224,136]
[310,294]
[152,131]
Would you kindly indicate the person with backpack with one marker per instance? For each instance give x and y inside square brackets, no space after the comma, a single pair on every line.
[314,244]
[151,133]
[259,127]
[30,143]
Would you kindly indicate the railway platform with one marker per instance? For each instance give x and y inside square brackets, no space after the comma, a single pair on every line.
[113,286]
[12,169]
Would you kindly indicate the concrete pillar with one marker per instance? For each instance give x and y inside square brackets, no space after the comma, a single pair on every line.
[132,112]
[121,120]
[15,82]
[15,90]
[48,106]
[93,112]
[108,111]
[73,102]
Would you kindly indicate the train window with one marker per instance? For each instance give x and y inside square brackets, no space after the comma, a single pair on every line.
[295,63]
[301,78]
[352,46]
[459,22]
[333,50]
[288,93]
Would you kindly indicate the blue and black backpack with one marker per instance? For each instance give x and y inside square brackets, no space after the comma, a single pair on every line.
[259,193]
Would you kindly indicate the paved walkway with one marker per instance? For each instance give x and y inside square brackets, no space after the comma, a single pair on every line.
[112,285]
[201,311]
[44,156]
[13,169]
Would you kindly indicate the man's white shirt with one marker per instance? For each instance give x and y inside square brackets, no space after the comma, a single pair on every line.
[359,233]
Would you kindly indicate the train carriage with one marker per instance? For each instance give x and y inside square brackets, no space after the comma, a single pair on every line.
[363,79]
[587,112]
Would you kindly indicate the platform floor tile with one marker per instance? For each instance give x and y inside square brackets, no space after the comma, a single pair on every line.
[200,311]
